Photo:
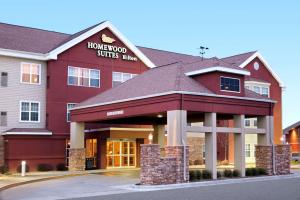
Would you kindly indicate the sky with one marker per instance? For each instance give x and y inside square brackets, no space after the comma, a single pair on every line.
[226,27]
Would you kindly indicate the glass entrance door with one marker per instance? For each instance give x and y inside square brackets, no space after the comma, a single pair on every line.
[121,153]
[91,153]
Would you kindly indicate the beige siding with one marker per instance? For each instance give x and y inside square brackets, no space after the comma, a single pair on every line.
[16,91]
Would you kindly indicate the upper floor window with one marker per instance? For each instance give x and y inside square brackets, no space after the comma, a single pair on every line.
[247,150]
[29,111]
[30,73]
[259,88]
[230,84]
[4,79]
[120,77]
[69,107]
[3,118]
[83,77]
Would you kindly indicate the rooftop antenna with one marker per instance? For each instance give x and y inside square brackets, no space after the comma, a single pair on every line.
[203,51]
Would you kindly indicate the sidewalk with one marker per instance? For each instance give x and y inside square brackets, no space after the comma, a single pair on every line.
[12,180]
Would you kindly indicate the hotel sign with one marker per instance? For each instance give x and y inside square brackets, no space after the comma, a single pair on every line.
[108,50]
[116,112]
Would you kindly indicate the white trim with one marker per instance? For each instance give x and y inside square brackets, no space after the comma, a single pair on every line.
[27,133]
[30,74]
[119,129]
[20,111]
[53,54]
[230,90]
[257,54]
[175,92]
[23,54]
[218,68]
[258,83]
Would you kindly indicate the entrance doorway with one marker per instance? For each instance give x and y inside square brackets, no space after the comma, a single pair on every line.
[91,153]
[121,153]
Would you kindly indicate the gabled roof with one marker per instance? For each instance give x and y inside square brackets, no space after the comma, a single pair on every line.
[39,44]
[237,60]
[291,127]
[159,81]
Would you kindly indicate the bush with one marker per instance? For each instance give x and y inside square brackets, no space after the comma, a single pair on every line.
[219,174]
[19,168]
[198,175]
[192,175]
[249,172]
[227,173]
[235,173]
[252,171]
[261,171]
[61,167]
[206,174]
[43,167]
[3,169]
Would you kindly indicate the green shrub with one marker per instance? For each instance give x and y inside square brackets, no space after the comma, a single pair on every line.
[235,173]
[219,174]
[261,171]
[249,172]
[227,173]
[19,168]
[206,174]
[192,175]
[61,167]
[198,174]
[3,169]
[44,167]
[252,171]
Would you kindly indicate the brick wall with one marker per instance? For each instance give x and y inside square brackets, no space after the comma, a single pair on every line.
[264,158]
[77,159]
[156,170]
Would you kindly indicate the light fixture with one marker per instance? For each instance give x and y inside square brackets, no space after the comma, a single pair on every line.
[159,116]
[150,138]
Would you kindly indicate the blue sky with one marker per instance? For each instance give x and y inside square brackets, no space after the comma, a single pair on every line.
[227,28]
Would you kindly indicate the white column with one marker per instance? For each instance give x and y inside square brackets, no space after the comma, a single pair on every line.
[159,135]
[176,127]
[77,135]
[211,144]
[239,144]
[267,123]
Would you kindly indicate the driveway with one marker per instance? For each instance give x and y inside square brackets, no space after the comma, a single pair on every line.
[71,187]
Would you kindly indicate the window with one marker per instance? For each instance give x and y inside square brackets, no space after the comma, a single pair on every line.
[30,73]
[255,122]
[258,87]
[83,77]
[4,79]
[265,91]
[247,122]
[29,111]
[120,77]
[230,84]
[3,118]
[69,107]
[247,150]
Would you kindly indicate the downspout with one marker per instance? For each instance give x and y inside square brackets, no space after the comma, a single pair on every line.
[183,142]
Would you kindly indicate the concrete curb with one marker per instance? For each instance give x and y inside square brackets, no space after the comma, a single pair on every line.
[39,180]
[144,188]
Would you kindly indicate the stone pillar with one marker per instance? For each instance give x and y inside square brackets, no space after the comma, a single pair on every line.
[178,153]
[159,135]
[239,145]
[283,159]
[176,127]
[263,156]
[77,150]
[211,144]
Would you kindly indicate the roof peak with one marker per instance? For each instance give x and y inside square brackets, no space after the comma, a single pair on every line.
[252,52]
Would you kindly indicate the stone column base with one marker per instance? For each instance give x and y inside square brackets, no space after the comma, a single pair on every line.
[77,159]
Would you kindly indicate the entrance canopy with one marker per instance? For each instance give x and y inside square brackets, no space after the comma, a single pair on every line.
[150,95]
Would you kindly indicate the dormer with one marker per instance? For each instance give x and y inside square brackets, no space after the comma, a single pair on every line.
[229,81]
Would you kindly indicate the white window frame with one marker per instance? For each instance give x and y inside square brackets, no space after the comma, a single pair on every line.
[79,76]
[20,111]
[122,77]
[68,110]
[260,85]
[247,150]
[230,90]
[40,73]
